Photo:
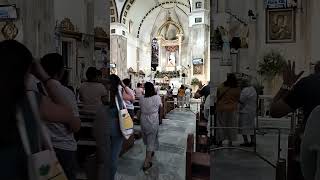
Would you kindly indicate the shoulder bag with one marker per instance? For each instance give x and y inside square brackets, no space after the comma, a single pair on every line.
[125,121]
[42,165]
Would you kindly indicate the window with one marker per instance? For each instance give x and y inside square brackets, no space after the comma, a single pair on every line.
[198,5]
[198,20]
[123,33]
[113,31]
[112,12]
[113,19]
[65,53]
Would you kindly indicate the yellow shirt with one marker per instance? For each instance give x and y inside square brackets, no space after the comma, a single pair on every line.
[229,100]
[181,92]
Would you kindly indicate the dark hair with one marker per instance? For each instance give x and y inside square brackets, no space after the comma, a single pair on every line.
[126,82]
[91,74]
[182,87]
[16,61]
[169,87]
[53,64]
[231,81]
[139,85]
[149,89]
[114,81]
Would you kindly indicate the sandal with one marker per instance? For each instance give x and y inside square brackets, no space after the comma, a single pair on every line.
[148,167]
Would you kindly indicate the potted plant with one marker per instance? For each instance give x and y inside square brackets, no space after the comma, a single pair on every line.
[271,66]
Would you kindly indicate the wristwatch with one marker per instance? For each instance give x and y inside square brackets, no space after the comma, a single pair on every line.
[286,87]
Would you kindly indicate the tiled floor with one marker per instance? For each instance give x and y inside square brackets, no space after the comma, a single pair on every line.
[169,161]
[240,165]
[226,164]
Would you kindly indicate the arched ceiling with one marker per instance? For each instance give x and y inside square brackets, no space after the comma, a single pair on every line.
[146,16]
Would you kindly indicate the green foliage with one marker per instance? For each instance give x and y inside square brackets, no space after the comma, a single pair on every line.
[272,64]
[195,81]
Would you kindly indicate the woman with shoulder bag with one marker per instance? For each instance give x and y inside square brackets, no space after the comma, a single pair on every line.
[21,132]
[107,131]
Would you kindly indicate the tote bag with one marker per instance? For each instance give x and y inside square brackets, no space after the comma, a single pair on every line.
[43,165]
[125,121]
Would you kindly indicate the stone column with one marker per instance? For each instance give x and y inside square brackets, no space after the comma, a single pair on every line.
[119,54]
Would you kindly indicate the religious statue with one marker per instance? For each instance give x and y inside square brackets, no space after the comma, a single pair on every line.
[226,44]
[279,28]
[172,59]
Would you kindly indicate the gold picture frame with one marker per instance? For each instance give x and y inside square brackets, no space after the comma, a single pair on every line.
[280,26]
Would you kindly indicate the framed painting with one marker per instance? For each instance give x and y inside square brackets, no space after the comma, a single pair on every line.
[280,26]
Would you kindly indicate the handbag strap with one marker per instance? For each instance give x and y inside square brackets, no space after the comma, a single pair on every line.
[117,100]
[42,129]
[23,132]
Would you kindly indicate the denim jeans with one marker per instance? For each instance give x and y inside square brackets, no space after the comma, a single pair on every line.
[67,160]
[116,147]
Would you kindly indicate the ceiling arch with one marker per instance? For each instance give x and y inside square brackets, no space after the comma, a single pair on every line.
[113,12]
[160,5]
[141,17]
[180,30]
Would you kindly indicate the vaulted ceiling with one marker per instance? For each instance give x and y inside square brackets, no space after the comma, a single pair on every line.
[146,16]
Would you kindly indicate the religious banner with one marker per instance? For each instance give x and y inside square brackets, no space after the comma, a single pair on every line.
[154,54]
[276,3]
[171,60]
[171,54]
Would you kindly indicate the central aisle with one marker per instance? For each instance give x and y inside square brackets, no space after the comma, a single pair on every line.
[169,163]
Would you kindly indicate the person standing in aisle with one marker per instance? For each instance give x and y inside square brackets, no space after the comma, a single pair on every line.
[188,96]
[107,132]
[228,96]
[247,112]
[181,96]
[150,105]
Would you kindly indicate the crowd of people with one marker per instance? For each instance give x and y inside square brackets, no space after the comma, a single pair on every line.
[38,103]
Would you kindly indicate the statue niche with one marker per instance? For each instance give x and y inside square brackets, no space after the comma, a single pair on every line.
[169,32]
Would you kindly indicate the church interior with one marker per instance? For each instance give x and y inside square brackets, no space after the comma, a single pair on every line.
[186,49]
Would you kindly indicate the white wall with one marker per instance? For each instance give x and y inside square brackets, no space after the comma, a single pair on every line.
[101,15]
[76,10]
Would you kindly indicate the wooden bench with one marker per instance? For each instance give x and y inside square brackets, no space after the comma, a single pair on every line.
[197,163]
[202,143]
[201,125]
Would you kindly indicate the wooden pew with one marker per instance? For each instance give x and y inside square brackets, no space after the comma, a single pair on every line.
[86,141]
[202,143]
[197,163]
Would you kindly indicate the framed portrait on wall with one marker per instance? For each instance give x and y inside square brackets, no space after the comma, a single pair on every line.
[198,69]
[280,26]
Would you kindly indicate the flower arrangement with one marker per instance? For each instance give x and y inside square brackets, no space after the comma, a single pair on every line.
[195,81]
[271,65]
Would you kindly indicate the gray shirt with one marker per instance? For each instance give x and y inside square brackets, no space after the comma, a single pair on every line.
[61,136]
[310,147]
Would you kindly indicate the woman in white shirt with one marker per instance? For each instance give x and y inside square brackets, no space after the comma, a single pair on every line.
[247,112]
[150,104]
